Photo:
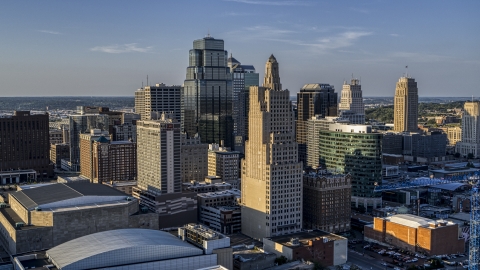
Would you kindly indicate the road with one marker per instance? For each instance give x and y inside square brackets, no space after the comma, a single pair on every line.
[365,262]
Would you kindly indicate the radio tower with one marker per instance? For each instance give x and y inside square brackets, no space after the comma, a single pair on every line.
[475,229]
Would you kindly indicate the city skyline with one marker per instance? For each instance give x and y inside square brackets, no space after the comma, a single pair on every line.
[109,48]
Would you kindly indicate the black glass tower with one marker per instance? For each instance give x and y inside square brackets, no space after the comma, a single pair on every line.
[207,97]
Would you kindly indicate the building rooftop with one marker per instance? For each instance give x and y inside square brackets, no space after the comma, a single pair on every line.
[451,186]
[304,237]
[52,195]
[120,247]
[414,221]
[410,220]
[232,192]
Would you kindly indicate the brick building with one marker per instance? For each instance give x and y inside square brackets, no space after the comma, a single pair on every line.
[25,144]
[416,234]
[326,202]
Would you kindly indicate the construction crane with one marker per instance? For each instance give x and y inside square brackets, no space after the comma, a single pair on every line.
[473,178]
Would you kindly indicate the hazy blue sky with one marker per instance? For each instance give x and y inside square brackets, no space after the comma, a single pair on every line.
[109,47]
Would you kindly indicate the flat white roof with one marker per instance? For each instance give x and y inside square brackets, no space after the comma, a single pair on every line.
[410,220]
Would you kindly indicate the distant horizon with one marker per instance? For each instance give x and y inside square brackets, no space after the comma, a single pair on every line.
[133,96]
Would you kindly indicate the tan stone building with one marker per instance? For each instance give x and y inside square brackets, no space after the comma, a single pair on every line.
[405,115]
[223,163]
[454,134]
[416,234]
[326,202]
[470,142]
[271,173]
[351,100]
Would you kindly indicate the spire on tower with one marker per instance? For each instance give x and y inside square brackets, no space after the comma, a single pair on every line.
[272,76]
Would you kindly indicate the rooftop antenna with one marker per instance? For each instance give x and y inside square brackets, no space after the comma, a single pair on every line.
[142,84]
[147,80]
[406,71]
[208,35]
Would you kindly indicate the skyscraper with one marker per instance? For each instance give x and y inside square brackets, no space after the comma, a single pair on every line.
[356,150]
[207,107]
[158,155]
[83,122]
[313,99]
[405,115]
[352,101]
[24,144]
[159,98]
[470,142]
[243,76]
[271,174]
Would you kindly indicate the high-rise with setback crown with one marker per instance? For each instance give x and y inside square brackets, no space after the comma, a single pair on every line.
[351,102]
[207,107]
[271,173]
[405,115]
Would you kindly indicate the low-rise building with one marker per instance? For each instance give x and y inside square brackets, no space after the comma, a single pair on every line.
[416,234]
[123,249]
[49,215]
[315,246]
[209,241]
[220,210]
[247,258]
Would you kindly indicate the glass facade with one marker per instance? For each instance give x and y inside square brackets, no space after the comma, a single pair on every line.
[358,154]
[207,93]
[83,124]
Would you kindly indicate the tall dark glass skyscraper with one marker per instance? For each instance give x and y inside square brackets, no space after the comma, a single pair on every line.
[207,93]
[313,99]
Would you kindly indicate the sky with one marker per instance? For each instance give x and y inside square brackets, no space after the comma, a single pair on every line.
[107,48]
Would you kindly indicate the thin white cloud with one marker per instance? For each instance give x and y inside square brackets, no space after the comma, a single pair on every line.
[125,48]
[394,35]
[49,32]
[321,44]
[272,3]
[342,40]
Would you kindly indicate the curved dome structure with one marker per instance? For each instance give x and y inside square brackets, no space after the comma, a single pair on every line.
[119,247]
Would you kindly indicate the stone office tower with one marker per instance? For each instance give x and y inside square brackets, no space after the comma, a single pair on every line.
[207,93]
[271,173]
[405,114]
[351,102]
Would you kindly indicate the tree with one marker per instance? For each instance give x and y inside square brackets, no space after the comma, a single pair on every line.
[457,155]
[470,156]
[319,266]
[281,260]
